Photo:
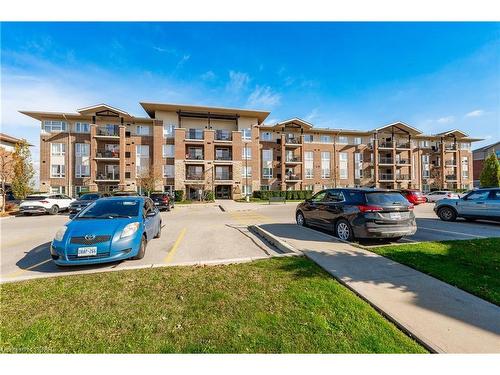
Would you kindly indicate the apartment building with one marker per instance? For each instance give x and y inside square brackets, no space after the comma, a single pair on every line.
[232,152]
[479,156]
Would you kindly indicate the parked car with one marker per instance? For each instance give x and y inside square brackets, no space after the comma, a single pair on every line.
[107,230]
[414,196]
[434,196]
[477,204]
[162,201]
[359,213]
[45,203]
[84,200]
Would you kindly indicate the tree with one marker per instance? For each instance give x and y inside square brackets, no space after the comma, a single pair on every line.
[148,179]
[6,173]
[22,180]
[490,175]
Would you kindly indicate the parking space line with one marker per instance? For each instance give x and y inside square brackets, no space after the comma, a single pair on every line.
[172,251]
[448,231]
[21,271]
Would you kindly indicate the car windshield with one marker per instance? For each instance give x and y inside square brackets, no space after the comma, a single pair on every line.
[89,197]
[109,209]
[153,196]
[383,198]
[36,197]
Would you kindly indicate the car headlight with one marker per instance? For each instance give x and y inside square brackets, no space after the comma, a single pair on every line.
[130,229]
[60,233]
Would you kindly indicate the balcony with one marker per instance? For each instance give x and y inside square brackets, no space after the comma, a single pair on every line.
[451,177]
[223,135]
[450,163]
[386,177]
[403,177]
[385,160]
[405,145]
[108,177]
[112,155]
[292,159]
[385,144]
[194,176]
[292,141]
[194,134]
[400,161]
[194,156]
[292,177]
[108,131]
[450,147]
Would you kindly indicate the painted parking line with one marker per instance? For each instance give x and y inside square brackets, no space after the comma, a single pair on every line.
[173,250]
[21,271]
[451,232]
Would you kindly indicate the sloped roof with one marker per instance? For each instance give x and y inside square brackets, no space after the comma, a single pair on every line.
[295,121]
[101,107]
[401,126]
[454,132]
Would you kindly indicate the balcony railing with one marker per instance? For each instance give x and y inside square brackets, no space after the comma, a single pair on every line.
[292,141]
[108,154]
[292,159]
[451,177]
[292,177]
[402,161]
[108,131]
[224,156]
[450,147]
[223,176]
[223,135]
[385,160]
[385,144]
[194,176]
[386,177]
[108,176]
[194,156]
[403,177]
[450,163]
[403,145]
[194,134]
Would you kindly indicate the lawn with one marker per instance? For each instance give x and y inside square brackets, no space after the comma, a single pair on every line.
[284,305]
[472,265]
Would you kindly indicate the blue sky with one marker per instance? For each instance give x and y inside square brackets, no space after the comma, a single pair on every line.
[434,76]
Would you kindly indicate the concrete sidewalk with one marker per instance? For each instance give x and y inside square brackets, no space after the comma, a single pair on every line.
[444,318]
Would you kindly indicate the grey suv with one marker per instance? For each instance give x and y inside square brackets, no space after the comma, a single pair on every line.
[478,204]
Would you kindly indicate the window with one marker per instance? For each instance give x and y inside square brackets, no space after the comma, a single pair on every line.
[142,158]
[426,173]
[168,151]
[358,140]
[80,189]
[267,163]
[82,127]
[309,187]
[426,188]
[343,157]
[246,190]
[334,196]
[264,187]
[142,130]
[267,136]
[358,165]
[246,153]
[54,126]
[57,170]
[57,149]
[325,138]
[319,196]
[465,146]
[308,138]
[246,134]
[82,170]
[57,189]
[82,162]
[325,165]
[424,144]
[309,164]
[82,149]
[246,171]
[465,167]
[168,130]
[168,171]
[343,139]
[478,195]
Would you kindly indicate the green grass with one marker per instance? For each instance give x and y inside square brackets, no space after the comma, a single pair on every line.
[472,265]
[285,305]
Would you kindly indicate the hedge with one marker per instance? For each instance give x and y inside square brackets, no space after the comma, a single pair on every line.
[179,195]
[290,194]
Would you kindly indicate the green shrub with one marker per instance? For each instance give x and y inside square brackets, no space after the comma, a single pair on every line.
[179,195]
[209,195]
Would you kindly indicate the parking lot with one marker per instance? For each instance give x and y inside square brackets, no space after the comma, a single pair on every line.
[194,234]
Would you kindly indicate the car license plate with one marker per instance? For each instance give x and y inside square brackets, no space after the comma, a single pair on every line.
[395,215]
[87,251]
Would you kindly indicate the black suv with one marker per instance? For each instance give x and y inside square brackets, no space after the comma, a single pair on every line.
[84,200]
[359,213]
[163,201]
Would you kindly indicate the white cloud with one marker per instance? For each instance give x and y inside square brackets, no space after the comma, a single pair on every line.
[445,120]
[238,81]
[183,59]
[312,115]
[263,96]
[208,76]
[475,113]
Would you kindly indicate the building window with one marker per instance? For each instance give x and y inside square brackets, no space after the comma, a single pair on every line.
[246,134]
[57,170]
[343,139]
[308,138]
[142,130]
[246,171]
[358,165]
[424,144]
[358,140]
[267,136]
[325,138]
[309,187]
[267,163]
[426,172]
[325,165]
[58,190]
[54,126]
[168,171]
[246,153]
[82,127]
[168,189]
[264,187]
[82,162]
[82,149]
[246,190]
[465,146]
[343,167]
[127,174]
[168,130]
[82,170]
[465,167]
[57,149]
[426,188]
[78,190]
[142,158]
[168,151]
[309,164]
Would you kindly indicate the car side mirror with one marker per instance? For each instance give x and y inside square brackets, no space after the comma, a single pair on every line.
[151,214]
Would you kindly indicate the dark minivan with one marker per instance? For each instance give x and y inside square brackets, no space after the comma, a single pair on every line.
[359,213]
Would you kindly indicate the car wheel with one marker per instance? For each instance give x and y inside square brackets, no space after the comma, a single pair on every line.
[158,235]
[447,214]
[142,249]
[343,230]
[301,220]
[396,239]
[54,210]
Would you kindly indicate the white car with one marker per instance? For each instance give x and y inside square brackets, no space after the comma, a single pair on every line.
[45,203]
[440,194]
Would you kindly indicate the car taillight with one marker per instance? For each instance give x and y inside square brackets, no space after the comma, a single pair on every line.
[44,202]
[368,208]
[165,199]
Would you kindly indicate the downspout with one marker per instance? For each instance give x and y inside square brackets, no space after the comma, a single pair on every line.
[69,192]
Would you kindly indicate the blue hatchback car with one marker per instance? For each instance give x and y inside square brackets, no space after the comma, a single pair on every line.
[108,230]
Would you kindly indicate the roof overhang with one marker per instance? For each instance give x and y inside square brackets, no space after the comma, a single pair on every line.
[400,127]
[102,108]
[10,139]
[294,122]
[453,133]
[203,111]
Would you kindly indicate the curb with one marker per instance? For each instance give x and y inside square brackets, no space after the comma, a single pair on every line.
[284,247]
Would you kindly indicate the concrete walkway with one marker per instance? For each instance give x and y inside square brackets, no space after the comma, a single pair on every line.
[442,317]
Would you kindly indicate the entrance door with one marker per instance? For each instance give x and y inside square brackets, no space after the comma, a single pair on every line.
[223,192]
